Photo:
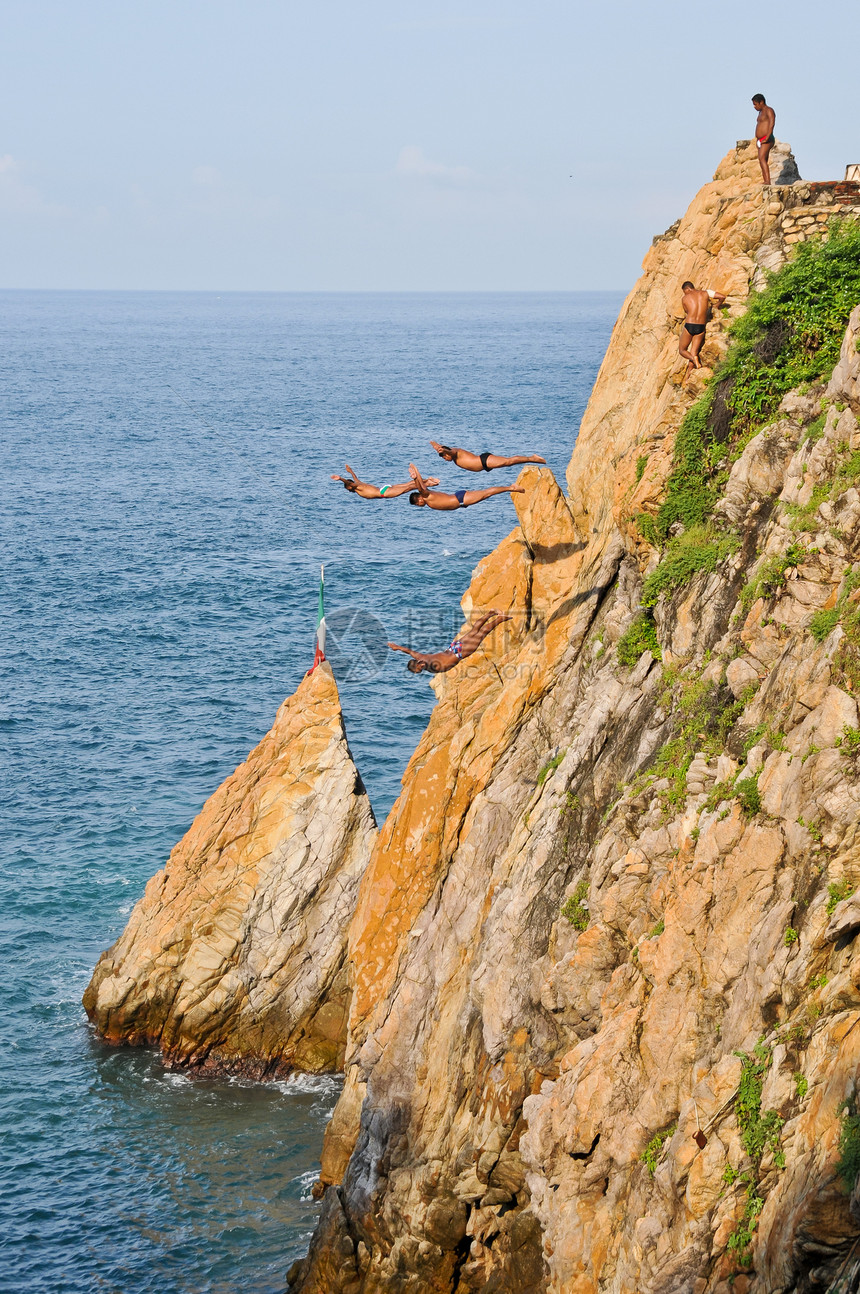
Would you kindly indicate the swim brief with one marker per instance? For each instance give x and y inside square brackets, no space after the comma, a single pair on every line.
[484,458]
[770,140]
[384,488]
[694,329]
[460,495]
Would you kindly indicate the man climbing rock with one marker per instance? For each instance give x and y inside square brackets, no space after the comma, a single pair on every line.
[439,662]
[764,138]
[696,303]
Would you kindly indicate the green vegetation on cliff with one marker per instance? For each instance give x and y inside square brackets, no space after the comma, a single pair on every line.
[640,637]
[759,1134]
[789,335]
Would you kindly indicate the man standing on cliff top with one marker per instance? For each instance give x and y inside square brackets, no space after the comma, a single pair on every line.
[696,303]
[764,140]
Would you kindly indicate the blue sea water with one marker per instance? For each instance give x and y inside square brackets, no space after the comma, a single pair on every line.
[165,504]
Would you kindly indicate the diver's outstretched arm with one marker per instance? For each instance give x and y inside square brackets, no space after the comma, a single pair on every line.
[352,474]
[416,655]
[420,483]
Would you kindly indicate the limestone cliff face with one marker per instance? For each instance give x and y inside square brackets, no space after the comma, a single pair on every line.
[507,1066]
[234,959]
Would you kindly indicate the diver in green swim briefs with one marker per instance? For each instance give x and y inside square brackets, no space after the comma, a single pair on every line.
[365,490]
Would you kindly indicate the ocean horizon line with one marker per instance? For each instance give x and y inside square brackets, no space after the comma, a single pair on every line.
[321,292]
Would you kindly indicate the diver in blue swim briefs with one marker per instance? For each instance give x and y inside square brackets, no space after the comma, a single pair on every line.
[424,497]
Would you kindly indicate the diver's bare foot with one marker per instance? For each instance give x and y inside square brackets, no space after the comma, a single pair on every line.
[536,458]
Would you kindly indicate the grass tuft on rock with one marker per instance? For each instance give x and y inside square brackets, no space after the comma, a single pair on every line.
[640,637]
[848,1163]
[575,908]
[837,892]
[701,548]
[651,1154]
[550,766]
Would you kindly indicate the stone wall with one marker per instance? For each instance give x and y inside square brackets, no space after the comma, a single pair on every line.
[805,209]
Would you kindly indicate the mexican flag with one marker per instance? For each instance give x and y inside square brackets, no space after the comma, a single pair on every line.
[319,654]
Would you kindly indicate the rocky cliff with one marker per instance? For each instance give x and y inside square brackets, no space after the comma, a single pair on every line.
[605,995]
[594,985]
[234,960]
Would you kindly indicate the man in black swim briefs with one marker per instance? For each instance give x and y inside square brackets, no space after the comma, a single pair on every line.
[764,137]
[485,462]
[696,303]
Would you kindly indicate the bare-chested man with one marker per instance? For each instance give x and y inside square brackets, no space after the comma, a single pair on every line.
[481,462]
[696,303]
[365,490]
[764,139]
[422,497]
[439,662]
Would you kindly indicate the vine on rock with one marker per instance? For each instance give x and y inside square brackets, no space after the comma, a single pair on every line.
[759,1133]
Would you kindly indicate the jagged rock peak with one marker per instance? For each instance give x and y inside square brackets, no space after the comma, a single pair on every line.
[234,959]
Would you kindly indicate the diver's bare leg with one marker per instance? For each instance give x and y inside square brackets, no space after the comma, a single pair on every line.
[472,639]
[684,344]
[478,496]
[497,460]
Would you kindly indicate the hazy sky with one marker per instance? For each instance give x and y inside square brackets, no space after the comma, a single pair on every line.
[374,144]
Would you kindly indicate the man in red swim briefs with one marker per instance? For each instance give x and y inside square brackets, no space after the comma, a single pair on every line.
[764,139]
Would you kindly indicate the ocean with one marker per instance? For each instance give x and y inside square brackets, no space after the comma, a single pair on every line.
[165,506]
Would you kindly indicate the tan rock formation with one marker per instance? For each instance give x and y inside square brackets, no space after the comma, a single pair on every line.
[234,959]
[640,398]
[507,1066]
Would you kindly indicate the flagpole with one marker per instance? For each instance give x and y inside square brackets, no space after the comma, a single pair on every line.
[319,653]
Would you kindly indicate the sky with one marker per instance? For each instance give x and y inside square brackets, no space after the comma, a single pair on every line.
[390,145]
